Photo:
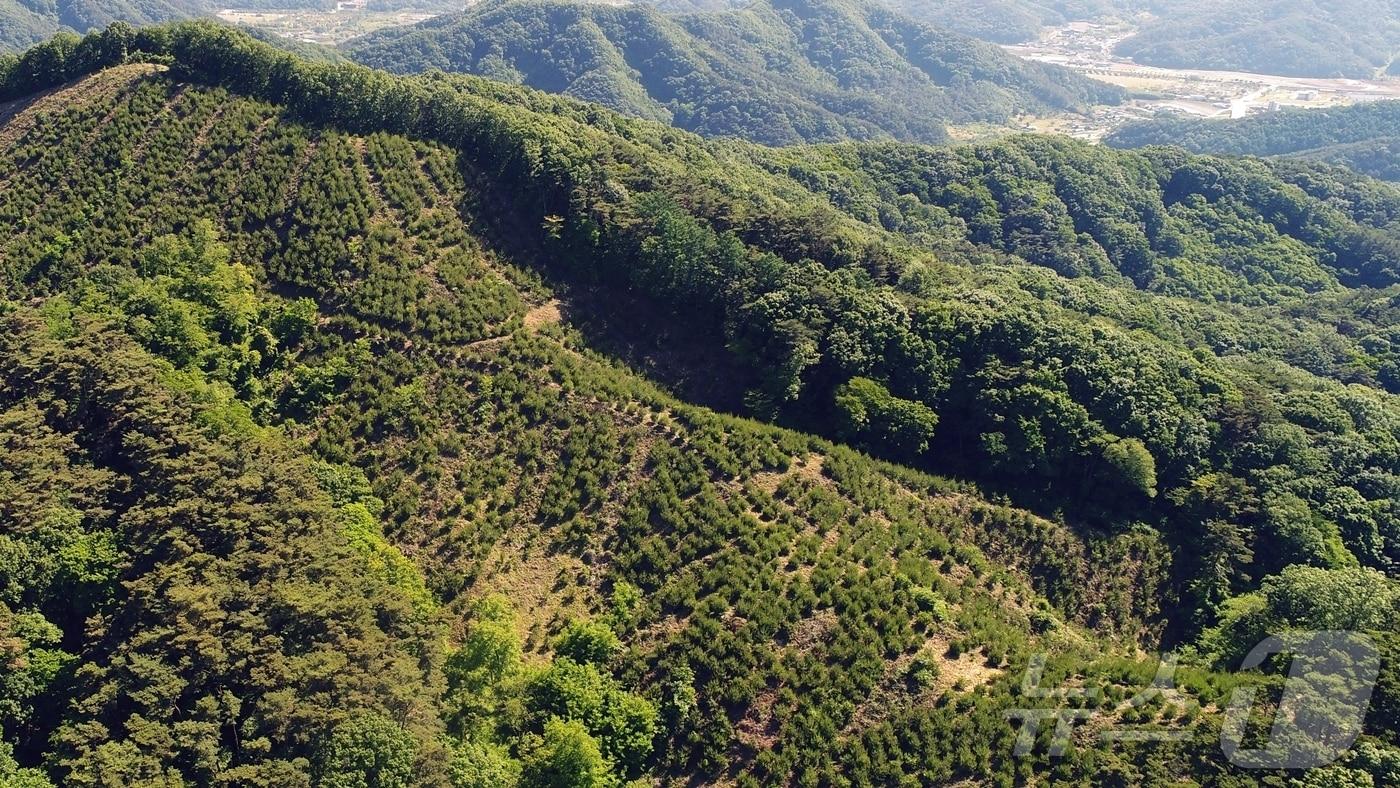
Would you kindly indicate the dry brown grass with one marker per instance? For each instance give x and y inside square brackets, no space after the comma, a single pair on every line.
[547,314]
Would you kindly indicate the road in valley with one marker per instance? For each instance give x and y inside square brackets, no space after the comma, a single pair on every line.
[1087,47]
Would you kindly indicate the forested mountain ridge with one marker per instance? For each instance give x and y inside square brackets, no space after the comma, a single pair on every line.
[1363,137]
[775,71]
[759,600]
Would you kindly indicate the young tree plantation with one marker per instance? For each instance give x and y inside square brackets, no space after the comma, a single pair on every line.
[370,430]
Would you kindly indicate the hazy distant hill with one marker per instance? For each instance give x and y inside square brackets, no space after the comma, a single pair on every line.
[1351,38]
[1365,137]
[26,22]
[777,71]
[1004,21]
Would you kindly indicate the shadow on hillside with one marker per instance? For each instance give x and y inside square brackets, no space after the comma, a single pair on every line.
[692,364]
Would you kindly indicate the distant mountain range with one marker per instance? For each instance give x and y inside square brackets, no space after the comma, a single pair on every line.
[775,71]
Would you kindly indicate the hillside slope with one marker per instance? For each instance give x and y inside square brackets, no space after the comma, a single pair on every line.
[345,268]
[776,71]
[493,448]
